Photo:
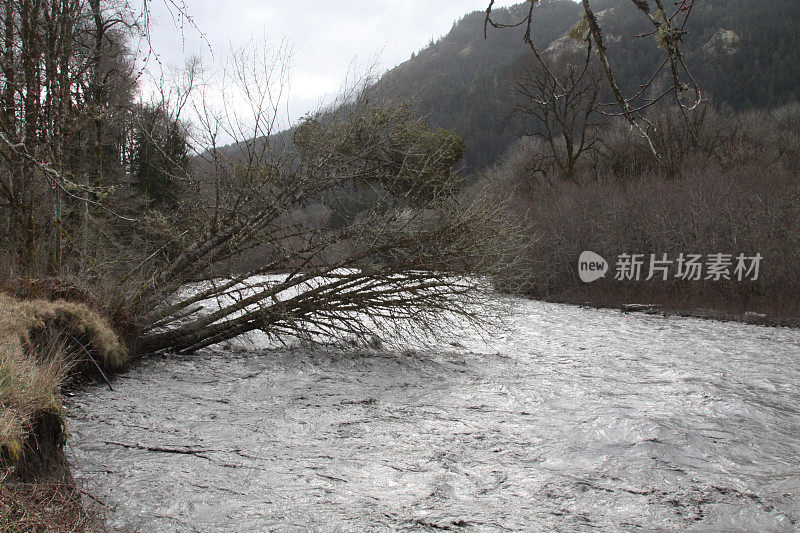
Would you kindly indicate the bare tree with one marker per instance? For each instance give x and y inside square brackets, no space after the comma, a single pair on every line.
[567,119]
[417,256]
[67,84]
[66,75]
[668,31]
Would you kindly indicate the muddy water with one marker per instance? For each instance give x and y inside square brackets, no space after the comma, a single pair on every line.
[575,419]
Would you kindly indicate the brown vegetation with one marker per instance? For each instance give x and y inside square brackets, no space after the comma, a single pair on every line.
[730,185]
[41,342]
[45,506]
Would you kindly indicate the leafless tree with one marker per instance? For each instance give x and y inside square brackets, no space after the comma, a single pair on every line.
[66,74]
[67,84]
[418,256]
[668,31]
[565,109]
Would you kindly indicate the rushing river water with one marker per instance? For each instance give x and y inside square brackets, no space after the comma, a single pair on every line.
[574,419]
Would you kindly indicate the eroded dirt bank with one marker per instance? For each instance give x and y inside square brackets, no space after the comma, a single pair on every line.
[43,343]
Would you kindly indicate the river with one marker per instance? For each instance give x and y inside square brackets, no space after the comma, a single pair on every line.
[571,419]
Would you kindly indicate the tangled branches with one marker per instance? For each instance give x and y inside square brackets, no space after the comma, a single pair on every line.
[668,31]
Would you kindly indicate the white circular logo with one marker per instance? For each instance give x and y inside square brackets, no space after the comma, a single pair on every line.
[591,267]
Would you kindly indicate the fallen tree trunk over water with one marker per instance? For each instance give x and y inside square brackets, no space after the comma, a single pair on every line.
[416,257]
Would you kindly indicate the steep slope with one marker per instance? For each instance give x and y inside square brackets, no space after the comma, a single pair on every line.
[744,53]
[461,81]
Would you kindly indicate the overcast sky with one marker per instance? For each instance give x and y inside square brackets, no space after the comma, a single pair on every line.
[328,38]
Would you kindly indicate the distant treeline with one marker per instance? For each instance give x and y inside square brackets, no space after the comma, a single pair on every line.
[730,186]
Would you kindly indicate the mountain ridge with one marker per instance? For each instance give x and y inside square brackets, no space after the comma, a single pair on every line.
[744,54]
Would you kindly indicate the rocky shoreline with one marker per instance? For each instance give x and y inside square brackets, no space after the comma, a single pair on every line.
[748,317]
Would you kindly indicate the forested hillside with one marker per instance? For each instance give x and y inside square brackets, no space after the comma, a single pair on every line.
[744,53]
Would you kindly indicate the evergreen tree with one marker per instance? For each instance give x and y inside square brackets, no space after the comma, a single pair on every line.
[160,154]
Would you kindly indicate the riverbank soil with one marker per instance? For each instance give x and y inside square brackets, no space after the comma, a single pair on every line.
[40,494]
[42,344]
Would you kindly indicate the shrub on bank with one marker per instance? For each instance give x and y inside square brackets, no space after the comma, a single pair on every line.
[731,188]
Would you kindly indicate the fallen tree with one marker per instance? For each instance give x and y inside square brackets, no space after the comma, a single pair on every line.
[258,248]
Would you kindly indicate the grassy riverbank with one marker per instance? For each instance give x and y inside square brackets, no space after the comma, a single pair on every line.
[42,343]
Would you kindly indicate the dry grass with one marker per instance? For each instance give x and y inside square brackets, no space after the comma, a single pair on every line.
[19,320]
[42,507]
[29,385]
[40,342]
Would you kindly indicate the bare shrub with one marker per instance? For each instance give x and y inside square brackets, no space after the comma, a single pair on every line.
[732,189]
